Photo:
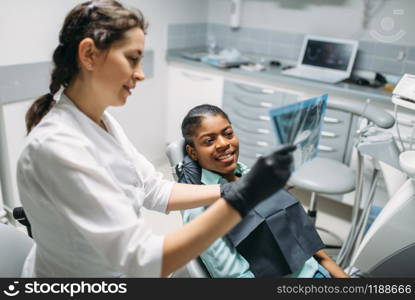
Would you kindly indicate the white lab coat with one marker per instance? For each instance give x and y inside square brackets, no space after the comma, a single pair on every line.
[82,189]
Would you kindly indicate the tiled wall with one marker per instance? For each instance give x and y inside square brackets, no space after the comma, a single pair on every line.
[372,56]
[187,35]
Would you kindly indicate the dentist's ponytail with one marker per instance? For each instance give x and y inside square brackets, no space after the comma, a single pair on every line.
[104,21]
[43,105]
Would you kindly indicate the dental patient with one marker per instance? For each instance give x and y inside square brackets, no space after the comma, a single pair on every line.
[276,239]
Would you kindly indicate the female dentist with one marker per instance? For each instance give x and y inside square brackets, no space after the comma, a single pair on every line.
[81,181]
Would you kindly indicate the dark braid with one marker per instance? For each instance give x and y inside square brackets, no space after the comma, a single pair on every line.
[104,21]
[194,118]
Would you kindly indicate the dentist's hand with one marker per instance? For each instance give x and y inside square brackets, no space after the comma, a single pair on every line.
[268,175]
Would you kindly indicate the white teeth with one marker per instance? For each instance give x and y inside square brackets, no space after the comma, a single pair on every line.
[225,156]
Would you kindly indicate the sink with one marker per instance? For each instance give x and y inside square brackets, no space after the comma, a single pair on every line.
[196,56]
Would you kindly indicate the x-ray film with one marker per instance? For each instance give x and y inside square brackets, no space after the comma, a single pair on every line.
[300,124]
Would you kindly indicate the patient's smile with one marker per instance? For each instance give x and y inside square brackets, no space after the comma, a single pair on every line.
[225,158]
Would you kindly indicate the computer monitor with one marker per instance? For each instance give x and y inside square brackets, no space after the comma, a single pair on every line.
[328,53]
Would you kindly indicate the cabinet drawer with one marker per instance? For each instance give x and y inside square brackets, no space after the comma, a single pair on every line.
[272,95]
[239,99]
[256,140]
[337,142]
[330,150]
[335,134]
[336,123]
[252,152]
[250,114]
[332,155]
[262,128]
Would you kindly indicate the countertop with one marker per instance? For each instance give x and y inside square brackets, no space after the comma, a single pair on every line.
[273,76]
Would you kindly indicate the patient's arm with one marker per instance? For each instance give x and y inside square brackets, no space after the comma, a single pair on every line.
[185,196]
[331,266]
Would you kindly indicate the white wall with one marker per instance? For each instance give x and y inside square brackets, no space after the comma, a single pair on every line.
[336,18]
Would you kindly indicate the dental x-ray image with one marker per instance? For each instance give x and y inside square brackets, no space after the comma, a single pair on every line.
[300,124]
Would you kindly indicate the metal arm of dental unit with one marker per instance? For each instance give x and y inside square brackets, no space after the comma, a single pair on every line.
[388,248]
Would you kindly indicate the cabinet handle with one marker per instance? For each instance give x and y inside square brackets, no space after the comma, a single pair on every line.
[263,131]
[254,143]
[196,77]
[260,104]
[252,90]
[260,117]
[262,144]
[328,134]
[266,104]
[326,148]
[331,120]
[255,130]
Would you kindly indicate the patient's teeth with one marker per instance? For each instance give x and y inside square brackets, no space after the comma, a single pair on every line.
[225,156]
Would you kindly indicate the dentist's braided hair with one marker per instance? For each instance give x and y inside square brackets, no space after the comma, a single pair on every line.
[104,21]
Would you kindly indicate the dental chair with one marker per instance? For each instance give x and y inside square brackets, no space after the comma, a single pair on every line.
[14,247]
[175,154]
[328,176]
[20,216]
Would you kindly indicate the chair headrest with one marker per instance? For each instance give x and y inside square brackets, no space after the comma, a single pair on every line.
[189,171]
[175,152]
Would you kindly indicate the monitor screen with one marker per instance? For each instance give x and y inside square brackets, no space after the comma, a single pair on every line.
[328,54]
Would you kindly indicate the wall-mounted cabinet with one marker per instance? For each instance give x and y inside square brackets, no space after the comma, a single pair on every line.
[188,88]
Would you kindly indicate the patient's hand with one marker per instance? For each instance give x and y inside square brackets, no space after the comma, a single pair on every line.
[334,269]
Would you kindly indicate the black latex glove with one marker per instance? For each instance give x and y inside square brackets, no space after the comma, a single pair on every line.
[268,175]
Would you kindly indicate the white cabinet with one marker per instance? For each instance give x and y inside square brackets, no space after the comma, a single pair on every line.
[186,89]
